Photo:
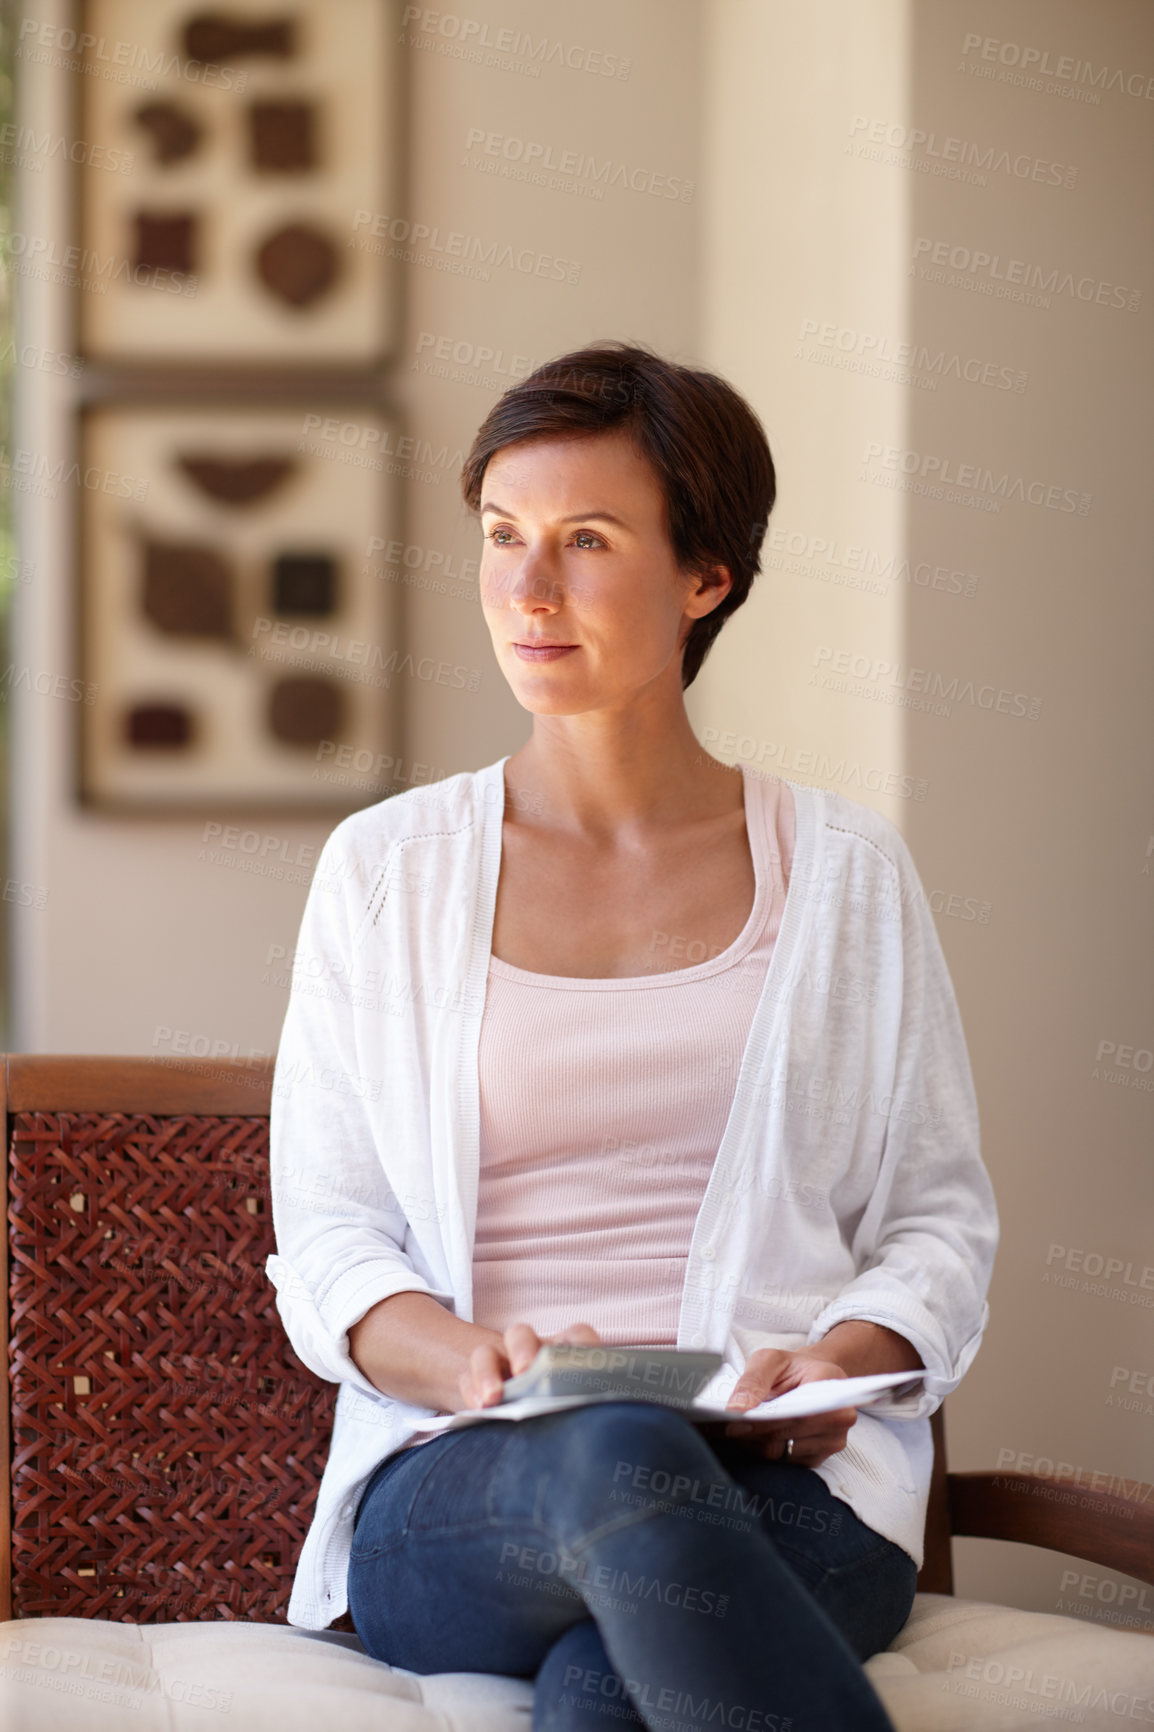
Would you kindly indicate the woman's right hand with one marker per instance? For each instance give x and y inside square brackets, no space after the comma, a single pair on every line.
[489,1366]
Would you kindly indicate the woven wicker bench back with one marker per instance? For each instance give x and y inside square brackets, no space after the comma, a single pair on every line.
[167,1444]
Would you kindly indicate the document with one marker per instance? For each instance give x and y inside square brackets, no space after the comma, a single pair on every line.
[821,1396]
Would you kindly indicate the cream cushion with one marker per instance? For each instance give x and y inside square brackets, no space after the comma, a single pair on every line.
[958,1665]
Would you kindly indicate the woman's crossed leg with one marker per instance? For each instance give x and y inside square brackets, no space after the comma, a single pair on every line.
[613,1555]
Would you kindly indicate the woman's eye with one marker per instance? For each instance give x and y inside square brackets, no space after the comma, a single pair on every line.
[583,538]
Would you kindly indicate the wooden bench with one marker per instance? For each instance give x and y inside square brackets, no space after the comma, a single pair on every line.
[160,1458]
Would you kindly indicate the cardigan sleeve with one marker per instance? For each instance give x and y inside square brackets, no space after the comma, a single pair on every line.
[924,1248]
[342,1234]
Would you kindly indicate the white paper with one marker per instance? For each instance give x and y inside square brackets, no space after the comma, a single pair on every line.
[825,1395]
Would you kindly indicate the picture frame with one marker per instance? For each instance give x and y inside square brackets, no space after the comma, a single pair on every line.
[218,200]
[235,636]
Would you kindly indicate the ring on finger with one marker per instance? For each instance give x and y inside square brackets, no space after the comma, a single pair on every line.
[789,1450]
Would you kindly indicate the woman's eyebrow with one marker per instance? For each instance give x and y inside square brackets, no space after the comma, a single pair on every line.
[575,517]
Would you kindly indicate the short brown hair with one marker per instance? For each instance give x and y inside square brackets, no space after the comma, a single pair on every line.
[702,438]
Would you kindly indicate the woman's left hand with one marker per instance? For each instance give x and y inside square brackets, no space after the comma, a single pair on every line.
[771,1371]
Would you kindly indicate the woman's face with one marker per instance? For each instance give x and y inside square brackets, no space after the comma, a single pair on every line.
[579,586]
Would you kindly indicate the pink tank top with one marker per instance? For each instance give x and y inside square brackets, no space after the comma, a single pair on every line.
[603,1103]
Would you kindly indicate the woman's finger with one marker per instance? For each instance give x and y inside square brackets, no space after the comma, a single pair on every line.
[807,1430]
[756,1382]
[521,1345]
[829,1429]
[487,1371]
[840,1419]
[808,1454]
[814,1439]
[579,1335]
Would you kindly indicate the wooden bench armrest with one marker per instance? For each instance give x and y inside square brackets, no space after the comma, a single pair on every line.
[44,1082]
[1100,1526]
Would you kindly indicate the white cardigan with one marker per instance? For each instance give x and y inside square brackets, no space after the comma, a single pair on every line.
[848,1183]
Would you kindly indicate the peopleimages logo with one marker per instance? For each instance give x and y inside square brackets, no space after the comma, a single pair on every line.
[80,267]
[31,149]
[819,555]
[944,151]
[876,351]
[991,268]
[116,60]
[478,356]
[577,165]
[943,473]
[470,35]
[878,677]
[454,250]
[1066,68]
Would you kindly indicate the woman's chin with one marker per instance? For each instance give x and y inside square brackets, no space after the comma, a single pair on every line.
[552,688]
[540,703]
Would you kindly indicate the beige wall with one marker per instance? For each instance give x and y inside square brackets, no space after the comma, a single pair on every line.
[1031,834]
[1039,830]
[141,934]
[636,252]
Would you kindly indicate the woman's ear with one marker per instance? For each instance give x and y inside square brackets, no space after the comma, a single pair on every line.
[712,584]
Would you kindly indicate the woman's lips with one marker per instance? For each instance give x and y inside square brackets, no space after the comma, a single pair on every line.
[543,652]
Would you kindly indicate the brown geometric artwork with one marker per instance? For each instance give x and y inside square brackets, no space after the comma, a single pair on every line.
[166,242]
[282,137]
[152,725]
[221,36]
[303,711]
[236,480]
[298,264]
[173,131]
[186,589]
[304,583]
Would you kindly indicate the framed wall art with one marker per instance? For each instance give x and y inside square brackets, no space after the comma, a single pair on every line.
[232,150]
[233,630]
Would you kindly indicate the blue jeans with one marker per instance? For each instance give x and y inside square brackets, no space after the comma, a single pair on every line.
[644,1576]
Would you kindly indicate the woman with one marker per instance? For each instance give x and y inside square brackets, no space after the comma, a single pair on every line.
[609,1041]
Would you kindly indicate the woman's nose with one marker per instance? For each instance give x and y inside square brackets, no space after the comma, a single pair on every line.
[534,584]
[537,589]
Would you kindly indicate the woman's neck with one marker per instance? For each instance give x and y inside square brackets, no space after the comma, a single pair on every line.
[609,773]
